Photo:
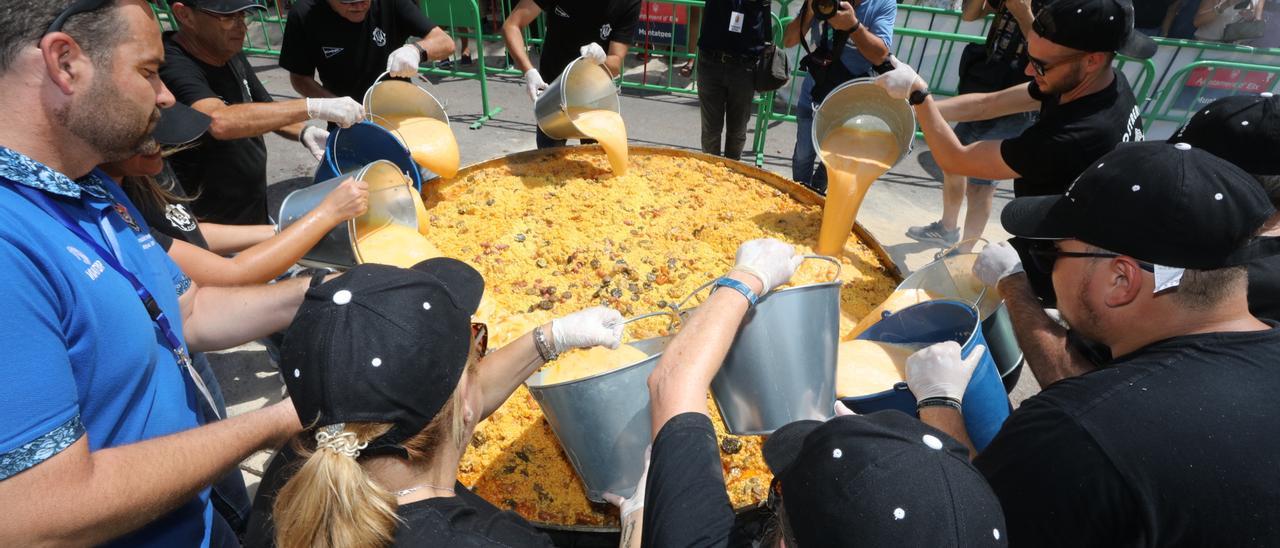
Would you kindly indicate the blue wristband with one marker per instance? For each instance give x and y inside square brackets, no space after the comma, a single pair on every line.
[736,286]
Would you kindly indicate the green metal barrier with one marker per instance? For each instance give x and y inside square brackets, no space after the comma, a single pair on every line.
[266,27]
[1178,100]
[462,18]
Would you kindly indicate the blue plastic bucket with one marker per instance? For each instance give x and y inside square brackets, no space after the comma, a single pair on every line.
[353,148]
[986,405]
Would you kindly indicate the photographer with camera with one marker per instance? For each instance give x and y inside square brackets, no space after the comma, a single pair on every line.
[848,41]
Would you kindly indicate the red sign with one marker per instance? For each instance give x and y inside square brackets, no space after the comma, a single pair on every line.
[1250,82]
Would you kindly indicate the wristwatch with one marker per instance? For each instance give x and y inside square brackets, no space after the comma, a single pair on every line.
[421,51]
[918,96]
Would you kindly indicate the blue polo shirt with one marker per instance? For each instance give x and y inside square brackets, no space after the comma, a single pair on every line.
[82,356]
[878,16]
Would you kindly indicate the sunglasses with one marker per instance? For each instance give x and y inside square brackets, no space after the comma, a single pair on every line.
[1046,255]
[480,337]
[81,6]
[1042,67]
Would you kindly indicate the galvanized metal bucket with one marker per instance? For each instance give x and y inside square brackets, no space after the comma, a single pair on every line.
[583,84]
[862,104]
[602,421]
[986,405]
[781,367]
[389,97]
[951,278]
[390,201]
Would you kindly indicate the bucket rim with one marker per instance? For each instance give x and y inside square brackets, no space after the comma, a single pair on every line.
[865,80]
[531,386]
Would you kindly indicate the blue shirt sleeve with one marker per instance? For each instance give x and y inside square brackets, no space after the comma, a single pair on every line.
[880,20]
[39,409]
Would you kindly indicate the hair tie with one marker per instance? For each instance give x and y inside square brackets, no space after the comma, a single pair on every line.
[333,437]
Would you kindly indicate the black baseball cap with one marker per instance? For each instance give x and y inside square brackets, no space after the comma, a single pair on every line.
[180,124]
[224,6]
[382,344]
[1241,129]
[883,479]
[1093,26]
[1169,204]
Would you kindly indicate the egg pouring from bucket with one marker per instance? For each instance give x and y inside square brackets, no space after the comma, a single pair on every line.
[389,101]
[602,421]
[582,85]
[391,200]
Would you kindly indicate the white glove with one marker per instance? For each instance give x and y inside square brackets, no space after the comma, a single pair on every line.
[626,507]
[314,139]
[842,410]
[939,371]
[592,52]
[900,81]
[770,260]
[343,111]
[533,84]
[596,326]
[403,62]
[996,262]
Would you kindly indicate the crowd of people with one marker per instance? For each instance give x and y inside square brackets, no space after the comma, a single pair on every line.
[1143,284]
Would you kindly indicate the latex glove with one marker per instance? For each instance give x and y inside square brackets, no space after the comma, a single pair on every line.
[403,62]
[996,262]
[770,260]
[350,199]
[939,371]
[314,139]
[842,410]
[593,52]
[626,507]
[343,111]
[533,84]
[596,326]
[900,81]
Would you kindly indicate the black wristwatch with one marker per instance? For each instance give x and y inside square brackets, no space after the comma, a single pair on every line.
[918,96]
[421,51]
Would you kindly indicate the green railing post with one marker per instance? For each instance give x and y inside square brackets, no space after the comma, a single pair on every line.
[456,15]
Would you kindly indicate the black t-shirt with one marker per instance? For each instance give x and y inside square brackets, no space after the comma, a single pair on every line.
[1067,138]
[1148,14]
[1264,288]
[170,221]
[464,521]
[999,63]
[229,177]
[685,500]
[757,26]
[349,56]
[572,24]
[1173,445]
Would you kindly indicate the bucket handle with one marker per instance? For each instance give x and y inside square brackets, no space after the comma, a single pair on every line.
[371,117]
[675,318]
[839,267]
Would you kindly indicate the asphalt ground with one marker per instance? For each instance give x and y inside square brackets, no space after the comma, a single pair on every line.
[910,194]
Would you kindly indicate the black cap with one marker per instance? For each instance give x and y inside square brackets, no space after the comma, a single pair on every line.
[180,124]
[382,344]
[1093,26]
[1169,204]
[224,6]
[883,479]
[1241,129]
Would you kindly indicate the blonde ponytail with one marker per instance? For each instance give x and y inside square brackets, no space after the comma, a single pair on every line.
[331,502]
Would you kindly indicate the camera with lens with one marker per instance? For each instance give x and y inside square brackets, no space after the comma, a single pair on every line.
[824,9]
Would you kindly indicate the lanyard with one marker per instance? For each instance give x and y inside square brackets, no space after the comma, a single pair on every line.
[41,200]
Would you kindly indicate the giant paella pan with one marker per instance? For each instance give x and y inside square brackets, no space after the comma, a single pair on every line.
[555,231]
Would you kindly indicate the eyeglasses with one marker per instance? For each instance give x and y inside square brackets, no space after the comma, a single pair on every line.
[229,19]
[1045,256]
[1042,67]
[80,6]
[480,337]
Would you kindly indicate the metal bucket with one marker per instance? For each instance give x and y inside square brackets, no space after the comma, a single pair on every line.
[939,278]
[862,104]
[986,405]
[391,97]
[352,148]
[781,367]
[603,421]
[390,201]
[583,84]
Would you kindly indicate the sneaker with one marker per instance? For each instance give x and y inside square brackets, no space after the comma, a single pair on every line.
[933,233]
[466,59]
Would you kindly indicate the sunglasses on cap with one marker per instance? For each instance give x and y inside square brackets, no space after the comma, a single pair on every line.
[1046,254]
[77,7]
[480,337]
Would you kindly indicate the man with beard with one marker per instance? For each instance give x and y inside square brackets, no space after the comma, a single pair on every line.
[1086,106]
[100,436]
[205,69]
[1173,442]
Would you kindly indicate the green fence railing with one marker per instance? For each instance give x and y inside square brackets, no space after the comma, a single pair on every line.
[463,20]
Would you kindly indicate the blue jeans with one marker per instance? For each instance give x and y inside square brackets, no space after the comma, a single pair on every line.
[804,156]
[230,498]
